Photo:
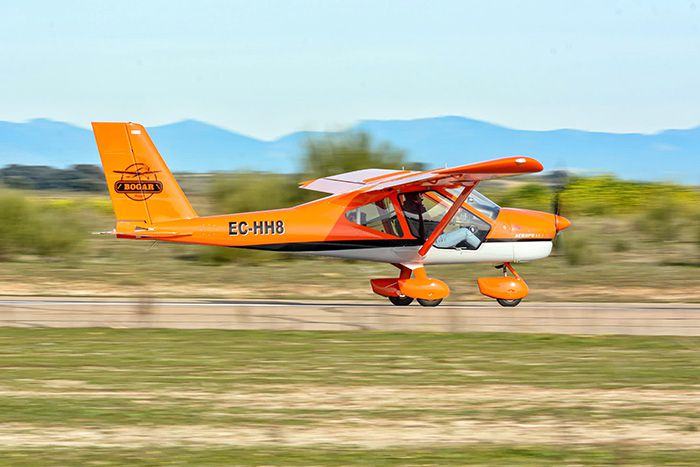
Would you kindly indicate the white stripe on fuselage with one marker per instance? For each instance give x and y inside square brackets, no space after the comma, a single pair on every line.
[489,252]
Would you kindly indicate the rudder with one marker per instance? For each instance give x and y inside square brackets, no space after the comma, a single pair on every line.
[140,184]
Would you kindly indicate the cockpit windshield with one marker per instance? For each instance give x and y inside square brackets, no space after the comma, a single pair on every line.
[479,202]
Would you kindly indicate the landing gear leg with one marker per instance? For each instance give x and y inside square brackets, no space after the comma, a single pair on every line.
[402,291]
[402,300]
[502,301]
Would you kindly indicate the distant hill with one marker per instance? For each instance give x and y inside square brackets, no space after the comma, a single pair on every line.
[199,147]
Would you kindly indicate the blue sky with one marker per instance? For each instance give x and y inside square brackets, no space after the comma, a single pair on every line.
[269,67]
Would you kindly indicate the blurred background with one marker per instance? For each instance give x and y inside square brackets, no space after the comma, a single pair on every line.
[641,236]
[245,100]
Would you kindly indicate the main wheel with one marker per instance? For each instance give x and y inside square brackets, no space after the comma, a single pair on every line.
[508,303]
[401,301]
[424,302]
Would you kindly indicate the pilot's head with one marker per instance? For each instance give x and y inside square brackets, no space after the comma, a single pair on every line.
[413,202]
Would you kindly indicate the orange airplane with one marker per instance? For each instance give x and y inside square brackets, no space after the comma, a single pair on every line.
[406,218]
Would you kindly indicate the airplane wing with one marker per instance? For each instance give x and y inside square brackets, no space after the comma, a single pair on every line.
[370,180]
[349,181]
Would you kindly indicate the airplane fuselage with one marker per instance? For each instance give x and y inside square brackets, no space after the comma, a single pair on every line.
[321,228]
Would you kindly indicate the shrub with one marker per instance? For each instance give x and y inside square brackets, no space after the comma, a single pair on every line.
[33,227]
[697,232]
[606,195]
[620,245]
[218,255]
[252,191]
[578,250]
[345,152]
[529,196]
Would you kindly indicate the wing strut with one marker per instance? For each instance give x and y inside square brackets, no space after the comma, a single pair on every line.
[446,219]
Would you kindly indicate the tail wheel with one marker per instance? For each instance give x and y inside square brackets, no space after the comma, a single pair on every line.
[508,303]
[401,301]
[429,302]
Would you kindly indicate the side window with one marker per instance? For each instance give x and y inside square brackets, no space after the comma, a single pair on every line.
[379,215]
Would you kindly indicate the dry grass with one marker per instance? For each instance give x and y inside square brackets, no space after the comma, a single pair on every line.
[299,398]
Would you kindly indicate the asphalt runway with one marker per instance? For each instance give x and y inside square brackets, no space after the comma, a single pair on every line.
[484,316]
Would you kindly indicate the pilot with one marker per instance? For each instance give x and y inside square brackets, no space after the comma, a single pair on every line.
[456,237]
[414,209]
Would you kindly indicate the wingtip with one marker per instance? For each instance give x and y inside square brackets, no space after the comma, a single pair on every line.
[528,164]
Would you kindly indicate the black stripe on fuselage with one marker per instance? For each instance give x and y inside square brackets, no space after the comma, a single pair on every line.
[339,245]
[365,244]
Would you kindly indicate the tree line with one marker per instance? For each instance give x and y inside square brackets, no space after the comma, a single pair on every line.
[81,177]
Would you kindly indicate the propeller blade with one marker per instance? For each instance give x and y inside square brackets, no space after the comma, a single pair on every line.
[560,180]
[556,205]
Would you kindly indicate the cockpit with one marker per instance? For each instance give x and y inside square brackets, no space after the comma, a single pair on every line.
[425,210]
[421,212]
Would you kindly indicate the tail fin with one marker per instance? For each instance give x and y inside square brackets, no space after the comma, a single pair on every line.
[142,188]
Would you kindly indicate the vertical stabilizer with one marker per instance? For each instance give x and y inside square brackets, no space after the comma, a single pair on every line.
[141,187]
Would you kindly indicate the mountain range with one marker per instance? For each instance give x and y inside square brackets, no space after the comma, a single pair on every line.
[194,146]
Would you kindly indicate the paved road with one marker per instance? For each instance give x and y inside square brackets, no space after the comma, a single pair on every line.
[559,318]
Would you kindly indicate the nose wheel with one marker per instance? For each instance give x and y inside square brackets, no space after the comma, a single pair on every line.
[429,303]
[507,290]
[508,303]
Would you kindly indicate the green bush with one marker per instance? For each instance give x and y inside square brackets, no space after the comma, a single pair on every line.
[579,251]
[345,152]
[529,196]
[218,255]
[606,195]
[620,245]
[662,221]
[696,233]
[253,191]
[38,228]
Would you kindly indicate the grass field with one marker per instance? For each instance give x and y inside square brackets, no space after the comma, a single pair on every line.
[152,397]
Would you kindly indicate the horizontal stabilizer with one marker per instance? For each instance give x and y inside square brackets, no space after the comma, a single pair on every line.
[152,235]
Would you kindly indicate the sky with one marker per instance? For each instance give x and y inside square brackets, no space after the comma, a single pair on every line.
[266,68]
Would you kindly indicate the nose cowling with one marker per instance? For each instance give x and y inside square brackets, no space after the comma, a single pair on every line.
[561,222]
[520,224]
[523,224]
